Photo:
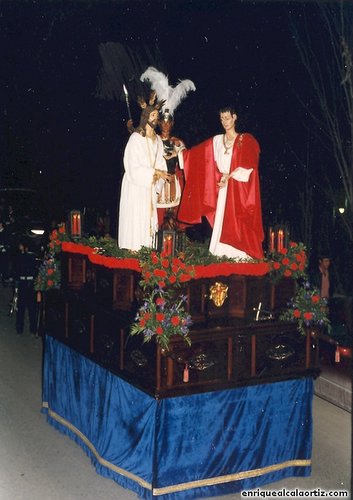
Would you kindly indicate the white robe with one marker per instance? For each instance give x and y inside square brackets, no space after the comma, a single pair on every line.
[138,221]
[239,175]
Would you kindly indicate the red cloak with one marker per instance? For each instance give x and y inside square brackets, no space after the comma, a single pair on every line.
[242,224]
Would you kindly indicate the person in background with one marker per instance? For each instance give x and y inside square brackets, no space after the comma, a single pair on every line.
[4,253]
[222,184]
[322,279]
[25,270]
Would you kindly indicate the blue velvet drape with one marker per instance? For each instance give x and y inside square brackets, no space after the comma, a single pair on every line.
[183,447]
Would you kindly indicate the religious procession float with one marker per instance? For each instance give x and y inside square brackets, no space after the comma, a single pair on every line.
[183,370]
[160,360]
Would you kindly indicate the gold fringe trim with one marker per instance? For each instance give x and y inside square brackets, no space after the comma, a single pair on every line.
[181,486]
[100,459]
[231,477]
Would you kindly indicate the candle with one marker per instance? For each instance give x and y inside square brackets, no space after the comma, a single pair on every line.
[168,247]
[271,240]
[280,240]
[78,220]
[74,225]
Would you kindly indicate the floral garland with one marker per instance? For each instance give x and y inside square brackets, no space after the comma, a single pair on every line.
[49,273]
[162,314]
[57,236]
[289,262]
[307,308]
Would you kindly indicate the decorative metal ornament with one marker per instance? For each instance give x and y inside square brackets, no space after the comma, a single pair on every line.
[218,293]
[280,352]
[201,362]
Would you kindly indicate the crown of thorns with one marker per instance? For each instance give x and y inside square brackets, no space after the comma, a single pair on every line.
[147,109]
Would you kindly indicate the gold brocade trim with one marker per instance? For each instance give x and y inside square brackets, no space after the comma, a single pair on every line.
[100,459]
[181,486]
[231,477]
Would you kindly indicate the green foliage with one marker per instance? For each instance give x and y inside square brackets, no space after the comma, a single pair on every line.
[307,308]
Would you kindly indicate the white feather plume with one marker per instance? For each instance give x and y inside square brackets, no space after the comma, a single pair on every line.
[171,95]
[178,94]
[158,80]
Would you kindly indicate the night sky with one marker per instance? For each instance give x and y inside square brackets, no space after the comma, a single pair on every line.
[58,133]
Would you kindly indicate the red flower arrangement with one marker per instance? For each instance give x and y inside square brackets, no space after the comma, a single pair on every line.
[162,271]
[162,314]
[48,276]
[289,262]
[57,236]
[307,308]
[160,318]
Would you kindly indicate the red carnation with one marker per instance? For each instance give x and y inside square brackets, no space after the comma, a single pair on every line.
[147,316]
[54,234]
[287,273]
[160,316]
[294,266]
[154,258]
[298,257]
[292,244]
[315,299]
[284,251]
[62,229]
[142,322]
[185,277]
[285,261]
[50,283]
[165,263]
[276,265]
[159,330]
[161,273]
[175,320]
[308,316]
[147,275]
[160,301]
[161,284]
[172,279]
[50,271]
[296,313]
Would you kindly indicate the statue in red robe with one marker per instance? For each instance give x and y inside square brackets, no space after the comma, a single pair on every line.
[222,184]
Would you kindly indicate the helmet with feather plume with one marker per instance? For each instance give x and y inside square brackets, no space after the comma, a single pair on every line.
[171,96]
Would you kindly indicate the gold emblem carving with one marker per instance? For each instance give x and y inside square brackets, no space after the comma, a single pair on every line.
[218,293]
